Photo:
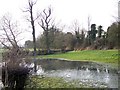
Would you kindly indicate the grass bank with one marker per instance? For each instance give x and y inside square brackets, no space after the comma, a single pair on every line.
[103,56]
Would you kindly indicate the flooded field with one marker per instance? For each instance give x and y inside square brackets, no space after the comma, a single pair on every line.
[86,73]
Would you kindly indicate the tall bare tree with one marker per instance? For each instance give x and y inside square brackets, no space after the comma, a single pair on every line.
[89,22]
[46,23]
[31,19]
[76,27]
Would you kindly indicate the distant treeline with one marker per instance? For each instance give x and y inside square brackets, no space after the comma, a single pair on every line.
[95,38]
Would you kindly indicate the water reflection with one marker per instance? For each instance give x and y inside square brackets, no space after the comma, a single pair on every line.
[40,71]
[98,70]
[86,76]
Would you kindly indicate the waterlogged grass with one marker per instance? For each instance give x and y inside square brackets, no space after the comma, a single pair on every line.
[48,82]
[53,82]
[104,56]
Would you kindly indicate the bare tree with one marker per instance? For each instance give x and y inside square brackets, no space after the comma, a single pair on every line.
[89,22]
[75,25]
[9,33]
[14,55]
[9,38]
[46,23]
[76,28]
[89,27]
[31,19]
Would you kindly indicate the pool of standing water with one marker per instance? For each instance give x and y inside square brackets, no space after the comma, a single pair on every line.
[86,73]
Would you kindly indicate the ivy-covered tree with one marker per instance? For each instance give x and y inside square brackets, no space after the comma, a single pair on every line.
[93,33]
[55,38]
[100,31]
[28,44]
[77,35]
[112,35]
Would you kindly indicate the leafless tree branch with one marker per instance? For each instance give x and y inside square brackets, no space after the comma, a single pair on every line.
[45,24]
[9,32]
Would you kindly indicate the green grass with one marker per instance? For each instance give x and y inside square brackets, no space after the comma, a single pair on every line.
[104,56]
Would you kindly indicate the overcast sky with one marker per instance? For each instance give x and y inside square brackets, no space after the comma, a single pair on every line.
[102,12]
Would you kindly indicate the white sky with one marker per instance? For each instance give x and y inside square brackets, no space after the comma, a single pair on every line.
[65,12]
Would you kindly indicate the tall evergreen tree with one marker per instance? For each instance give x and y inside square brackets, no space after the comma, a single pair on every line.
[100,30]
[93,33]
